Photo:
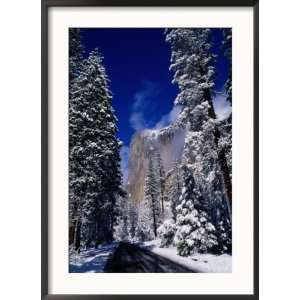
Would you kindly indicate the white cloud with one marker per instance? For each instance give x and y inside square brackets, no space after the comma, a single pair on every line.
[168,118]
[137,121]
[142,103]
[222,106]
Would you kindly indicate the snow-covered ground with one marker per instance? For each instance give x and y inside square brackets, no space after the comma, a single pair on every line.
[203,263]
[91,260]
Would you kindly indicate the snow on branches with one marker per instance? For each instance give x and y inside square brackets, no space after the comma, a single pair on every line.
[94,160]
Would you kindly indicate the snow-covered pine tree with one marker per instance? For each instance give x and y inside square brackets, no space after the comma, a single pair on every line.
[168,228]
[122,225]
[193,64]
[166,232]
[194,231]
[76,51]
[133,220]
[201,154]
[152,194]
[225,141]
[223,223]
[175,187]
[144,229]
[161,179]
[75,193]
[227,45]
[94,153]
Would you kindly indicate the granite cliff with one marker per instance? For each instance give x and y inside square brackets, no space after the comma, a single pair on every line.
[169,146]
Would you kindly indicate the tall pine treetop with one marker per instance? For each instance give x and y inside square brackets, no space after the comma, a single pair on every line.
[192,63]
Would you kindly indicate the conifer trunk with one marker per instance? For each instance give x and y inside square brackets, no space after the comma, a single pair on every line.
[77,238]
[72,226]
[71,234]
[221,153]
[154,217]
[162,203]
[221,156]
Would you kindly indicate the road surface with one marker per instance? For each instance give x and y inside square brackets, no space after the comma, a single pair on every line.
[129,258]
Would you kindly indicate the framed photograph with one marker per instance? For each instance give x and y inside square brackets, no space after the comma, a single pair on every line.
[149,149]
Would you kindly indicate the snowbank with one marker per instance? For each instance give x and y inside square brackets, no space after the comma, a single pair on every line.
[202,263]
[91,260]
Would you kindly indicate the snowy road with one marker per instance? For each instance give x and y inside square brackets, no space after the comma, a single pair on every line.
[129,258]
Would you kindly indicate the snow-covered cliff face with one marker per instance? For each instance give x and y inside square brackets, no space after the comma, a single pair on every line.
[170,148]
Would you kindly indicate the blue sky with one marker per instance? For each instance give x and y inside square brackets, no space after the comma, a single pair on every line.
[137,64]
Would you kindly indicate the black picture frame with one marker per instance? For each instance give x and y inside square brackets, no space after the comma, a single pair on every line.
[45,4]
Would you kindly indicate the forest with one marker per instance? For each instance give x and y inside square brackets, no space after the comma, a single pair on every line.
[178,194]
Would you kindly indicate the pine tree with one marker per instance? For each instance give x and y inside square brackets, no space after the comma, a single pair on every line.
[133,220]
[201,155]
[144,230]
[175,187]
[122,224]
[76,51]
[95,176]
[75,64]
[227,45]
[161,178]
[166,233]
[194,231]
[149,210]
[168,228]
[193,64]
[225,141]
[152,194]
